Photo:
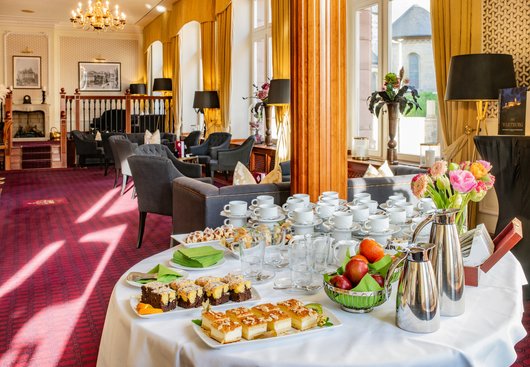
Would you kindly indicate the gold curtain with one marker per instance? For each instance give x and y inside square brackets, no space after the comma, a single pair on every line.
[456,30]
[224,63]
[281,69]
[177,88]
[168,50]
[212,117]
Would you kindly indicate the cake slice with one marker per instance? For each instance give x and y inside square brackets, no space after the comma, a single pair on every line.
[252,326]
[161,297]
[226,331]
[239,287]
[238,312]
[190,296]
[209,317]
[277,320]
[302,318]
[175,285]
[217,293]
[202,281]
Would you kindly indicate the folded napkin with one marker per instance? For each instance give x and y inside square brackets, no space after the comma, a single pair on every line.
[381,266]
[367,284]
[164,275]
[198,257]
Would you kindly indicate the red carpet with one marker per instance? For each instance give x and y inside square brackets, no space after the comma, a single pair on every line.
[67,237]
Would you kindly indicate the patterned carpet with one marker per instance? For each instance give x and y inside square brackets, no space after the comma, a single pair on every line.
[67,237]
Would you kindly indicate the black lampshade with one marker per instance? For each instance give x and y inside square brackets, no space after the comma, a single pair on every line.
[478,77]
[138,88]
[206,99]
[162,85]
[279,92]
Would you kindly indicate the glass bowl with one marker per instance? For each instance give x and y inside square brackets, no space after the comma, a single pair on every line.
[357,302]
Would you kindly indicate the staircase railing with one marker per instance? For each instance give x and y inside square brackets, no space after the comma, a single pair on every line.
[8,129]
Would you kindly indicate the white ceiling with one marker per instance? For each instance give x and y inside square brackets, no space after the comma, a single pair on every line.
[58,11]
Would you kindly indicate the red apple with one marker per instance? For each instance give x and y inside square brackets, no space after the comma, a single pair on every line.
[340,281]
[355,270]
[379,279]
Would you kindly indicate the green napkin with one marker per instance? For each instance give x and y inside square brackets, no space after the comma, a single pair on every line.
[198,257]
[381,266]
[164,275]
[367,284]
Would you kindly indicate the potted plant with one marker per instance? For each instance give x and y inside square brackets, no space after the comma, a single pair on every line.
[395,96]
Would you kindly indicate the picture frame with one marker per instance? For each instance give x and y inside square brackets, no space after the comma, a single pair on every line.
[99,76]
[27,72]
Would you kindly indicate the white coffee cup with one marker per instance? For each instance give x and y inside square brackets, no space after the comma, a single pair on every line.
[292,204]
[329,194]
[266,211]
[262,199]
[397,215]
[235,222]
[394,199]
[302,215]
[330,200]
[425,230]
[377,223]
[360,212]
[304,197]
[236,207]
[409,207]
[426,204]
[342,220]
[371,204]
[325,210]
[361,196]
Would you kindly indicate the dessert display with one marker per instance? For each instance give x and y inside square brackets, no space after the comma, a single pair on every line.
[216,292]
[189,295]
[277,320]
[302,318]
[226,331]
[220,233]
[159,295]
[238,286]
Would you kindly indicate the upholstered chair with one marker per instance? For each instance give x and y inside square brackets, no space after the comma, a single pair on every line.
[192,140]
[227,159]
[85,147]
[117,164]
[109,158]
[208,150]
[158,150]
[124,149]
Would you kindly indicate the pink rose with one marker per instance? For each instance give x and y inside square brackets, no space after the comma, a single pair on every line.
[439,168]
[486,164]
[462,181]
[263,94]
[419,184]
[465,165]
[489,180]
[265,86]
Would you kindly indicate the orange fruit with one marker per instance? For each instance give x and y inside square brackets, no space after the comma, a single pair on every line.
[360,257]
[371,250]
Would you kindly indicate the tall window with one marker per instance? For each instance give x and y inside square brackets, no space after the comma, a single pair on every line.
[389,35]
[155,62]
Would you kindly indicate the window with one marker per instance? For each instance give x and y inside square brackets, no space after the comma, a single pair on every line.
[155,62]
[389,35]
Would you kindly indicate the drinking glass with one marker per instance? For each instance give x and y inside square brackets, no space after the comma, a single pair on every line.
[251,256]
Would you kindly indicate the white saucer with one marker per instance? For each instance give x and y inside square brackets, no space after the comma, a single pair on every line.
[271,220]
[392,229]
[226,213]
[316,222]
[354,227]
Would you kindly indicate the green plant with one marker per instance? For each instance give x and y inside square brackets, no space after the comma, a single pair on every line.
[394,92]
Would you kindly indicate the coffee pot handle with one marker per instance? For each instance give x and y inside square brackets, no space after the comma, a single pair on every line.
[420,226]
[395,263]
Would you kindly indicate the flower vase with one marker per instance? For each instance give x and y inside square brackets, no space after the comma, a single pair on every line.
[461,220]
[393,119]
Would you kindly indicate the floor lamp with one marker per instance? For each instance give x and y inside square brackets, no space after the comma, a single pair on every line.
[205,99]
[478,77]
[164,85]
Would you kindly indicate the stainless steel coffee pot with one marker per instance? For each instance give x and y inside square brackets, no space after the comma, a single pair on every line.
[446,259]
[417,306]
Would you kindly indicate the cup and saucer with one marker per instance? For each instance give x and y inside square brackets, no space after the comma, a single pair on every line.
[228,214]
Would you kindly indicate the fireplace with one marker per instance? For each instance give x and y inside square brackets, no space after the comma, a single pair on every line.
[30,122]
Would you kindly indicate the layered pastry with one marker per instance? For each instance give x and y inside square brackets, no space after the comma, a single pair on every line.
[209,317]
[252,324]
[236,313]
[277,320]
[175,285]
[302,318]
[216,292]
[239,287]
[202,281]
[190,296]
[159,295]
[226,331]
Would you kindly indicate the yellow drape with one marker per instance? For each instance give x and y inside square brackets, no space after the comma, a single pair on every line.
[224,63]
[281,69]
[212,117]
[177,87]
[168,69]
[456,30]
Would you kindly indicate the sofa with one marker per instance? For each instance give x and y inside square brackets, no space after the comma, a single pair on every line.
[196,205]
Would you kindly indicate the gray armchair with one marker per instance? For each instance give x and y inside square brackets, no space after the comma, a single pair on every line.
[124,149]
[208,150]
[107,150]
[158,150]
[86,147]
[192,140]
[227,159]
[112,144]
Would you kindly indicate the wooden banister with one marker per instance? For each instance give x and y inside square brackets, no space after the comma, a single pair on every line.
[127,112]
[8,129]
[63,128]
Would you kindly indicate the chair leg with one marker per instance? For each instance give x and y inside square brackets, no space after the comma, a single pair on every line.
[141,226]
[133,192]
[106,167]
[123,184]
[115,177]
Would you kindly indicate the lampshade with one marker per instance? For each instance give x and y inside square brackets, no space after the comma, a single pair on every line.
[206,99]
[139,88]
[478,77]
[279,92]
[162,85]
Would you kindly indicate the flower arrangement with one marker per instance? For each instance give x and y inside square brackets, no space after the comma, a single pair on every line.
[261,94]
[395,89]
[453,186]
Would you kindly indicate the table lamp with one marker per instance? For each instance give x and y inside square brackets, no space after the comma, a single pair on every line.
[478,77]
[138,89]
[162,85]
[279,95]
[205,99]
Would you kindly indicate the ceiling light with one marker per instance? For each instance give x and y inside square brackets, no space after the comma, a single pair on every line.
[149,6]
[161,8]
[97,17]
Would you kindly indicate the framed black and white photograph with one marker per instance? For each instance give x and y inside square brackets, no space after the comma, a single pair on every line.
[100,76]
[26,72]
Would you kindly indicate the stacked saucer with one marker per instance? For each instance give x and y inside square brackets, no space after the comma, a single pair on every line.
[236,213]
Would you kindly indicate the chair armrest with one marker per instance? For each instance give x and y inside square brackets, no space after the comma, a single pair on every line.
[192,170]
[205,179]
[200,149]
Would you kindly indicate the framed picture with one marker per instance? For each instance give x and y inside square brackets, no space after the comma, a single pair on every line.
[100,76]
[512,111]
[26,72]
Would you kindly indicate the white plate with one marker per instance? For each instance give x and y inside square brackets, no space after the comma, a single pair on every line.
[184,274]
[214,266]
[293,333]
[255,297]
[271,220]
[181,238]
[226,213]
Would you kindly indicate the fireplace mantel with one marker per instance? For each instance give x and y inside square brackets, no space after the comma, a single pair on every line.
[31,107]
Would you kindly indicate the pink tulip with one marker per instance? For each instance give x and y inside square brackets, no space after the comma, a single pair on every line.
[462,181]
[419,185]
[438,169]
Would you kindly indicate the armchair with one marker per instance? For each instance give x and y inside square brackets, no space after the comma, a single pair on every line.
[107,150]
[192,140]
[227,159]
[208,150]
[86,147]
[124,149]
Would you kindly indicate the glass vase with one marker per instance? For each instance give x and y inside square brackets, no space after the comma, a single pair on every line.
[461,220]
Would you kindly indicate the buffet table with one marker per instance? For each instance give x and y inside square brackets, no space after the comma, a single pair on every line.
[484,336]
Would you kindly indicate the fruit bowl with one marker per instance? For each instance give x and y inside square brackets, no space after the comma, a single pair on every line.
[357,302]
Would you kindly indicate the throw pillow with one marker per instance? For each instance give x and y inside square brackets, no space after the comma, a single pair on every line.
[274,176]
[371,171]
[152,138]
[242,176]
[385,170]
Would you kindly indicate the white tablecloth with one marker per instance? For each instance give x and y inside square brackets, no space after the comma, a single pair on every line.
[484,336]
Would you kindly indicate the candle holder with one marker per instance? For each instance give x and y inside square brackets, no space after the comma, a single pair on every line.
[43,97]
[429,153]
[360,148]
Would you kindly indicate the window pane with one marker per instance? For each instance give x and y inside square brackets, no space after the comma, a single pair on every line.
[412,49]
[260,72]
[367,73]
[260,12]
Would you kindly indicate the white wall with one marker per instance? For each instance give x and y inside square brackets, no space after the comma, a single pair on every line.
[191,73]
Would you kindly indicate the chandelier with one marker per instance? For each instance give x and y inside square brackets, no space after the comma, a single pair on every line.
[97,17]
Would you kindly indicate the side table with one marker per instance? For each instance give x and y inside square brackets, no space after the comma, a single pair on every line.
[192,159]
